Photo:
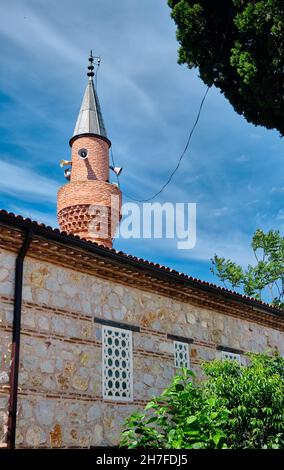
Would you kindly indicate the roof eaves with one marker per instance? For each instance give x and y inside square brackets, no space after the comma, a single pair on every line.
[158,270]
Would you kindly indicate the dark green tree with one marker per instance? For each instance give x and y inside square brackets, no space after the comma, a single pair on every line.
[236,407]
[238,45]
[265,277]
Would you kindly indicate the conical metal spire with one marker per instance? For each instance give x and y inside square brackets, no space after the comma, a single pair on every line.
[90,119]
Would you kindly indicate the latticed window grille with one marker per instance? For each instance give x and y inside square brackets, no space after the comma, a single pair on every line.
[231,356]
[181,354]
[117,364]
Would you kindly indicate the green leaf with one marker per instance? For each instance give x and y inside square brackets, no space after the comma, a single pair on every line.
[179,387]
[217,437]
[149,405]
[191,419]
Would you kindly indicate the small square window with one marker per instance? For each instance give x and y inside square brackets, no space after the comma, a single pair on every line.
[231,356]
[181,354]
[117,364]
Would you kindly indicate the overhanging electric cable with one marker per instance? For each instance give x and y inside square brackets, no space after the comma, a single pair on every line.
[180,158]
[192,130]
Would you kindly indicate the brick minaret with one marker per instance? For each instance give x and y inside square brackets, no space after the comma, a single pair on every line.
[89,205]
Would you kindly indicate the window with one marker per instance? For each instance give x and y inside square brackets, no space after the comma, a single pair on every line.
[181,354]
[117,364]
[231,356]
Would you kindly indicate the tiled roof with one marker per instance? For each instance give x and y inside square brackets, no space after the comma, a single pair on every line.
[172,274]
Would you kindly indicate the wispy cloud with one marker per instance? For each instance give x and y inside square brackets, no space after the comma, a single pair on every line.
[219,212]
[26,183]
[234,246]
[232,170]
[242,159]
[280,215]
[33,214]
[32,31]
[279,189]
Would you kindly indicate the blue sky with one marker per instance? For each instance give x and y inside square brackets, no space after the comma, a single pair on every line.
[234,171]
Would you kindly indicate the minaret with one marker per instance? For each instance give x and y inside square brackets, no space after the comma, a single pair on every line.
[89,205]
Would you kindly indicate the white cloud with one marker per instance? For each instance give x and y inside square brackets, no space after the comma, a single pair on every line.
[279,189]
[242,159]
[149,104]
[280,215]
[26,183]
[219,211]
[33,32]
[38,216]
[230,245]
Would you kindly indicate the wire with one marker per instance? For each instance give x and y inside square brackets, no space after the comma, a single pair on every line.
[180,158]
[193,127]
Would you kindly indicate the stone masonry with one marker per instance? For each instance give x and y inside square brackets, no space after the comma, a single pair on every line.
[60,381]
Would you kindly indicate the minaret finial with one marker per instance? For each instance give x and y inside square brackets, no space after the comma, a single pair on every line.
[90,66]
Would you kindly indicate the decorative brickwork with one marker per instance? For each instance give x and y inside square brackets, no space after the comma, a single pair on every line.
[95,223]
[96,165]
[88,192]
[89,206]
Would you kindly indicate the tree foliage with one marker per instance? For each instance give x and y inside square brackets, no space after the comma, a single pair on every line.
[238,45]
[267,276]
[236,407]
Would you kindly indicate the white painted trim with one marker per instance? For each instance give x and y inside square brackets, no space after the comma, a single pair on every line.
[184,347]
[226,355]
[129,359]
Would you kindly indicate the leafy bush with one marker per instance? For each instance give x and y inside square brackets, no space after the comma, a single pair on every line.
[235,407]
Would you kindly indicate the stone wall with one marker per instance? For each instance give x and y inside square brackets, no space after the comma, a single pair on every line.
[60,395]
[7,273]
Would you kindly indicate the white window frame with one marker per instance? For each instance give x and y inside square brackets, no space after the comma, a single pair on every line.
[186,351]
[230,356]
[105,369]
